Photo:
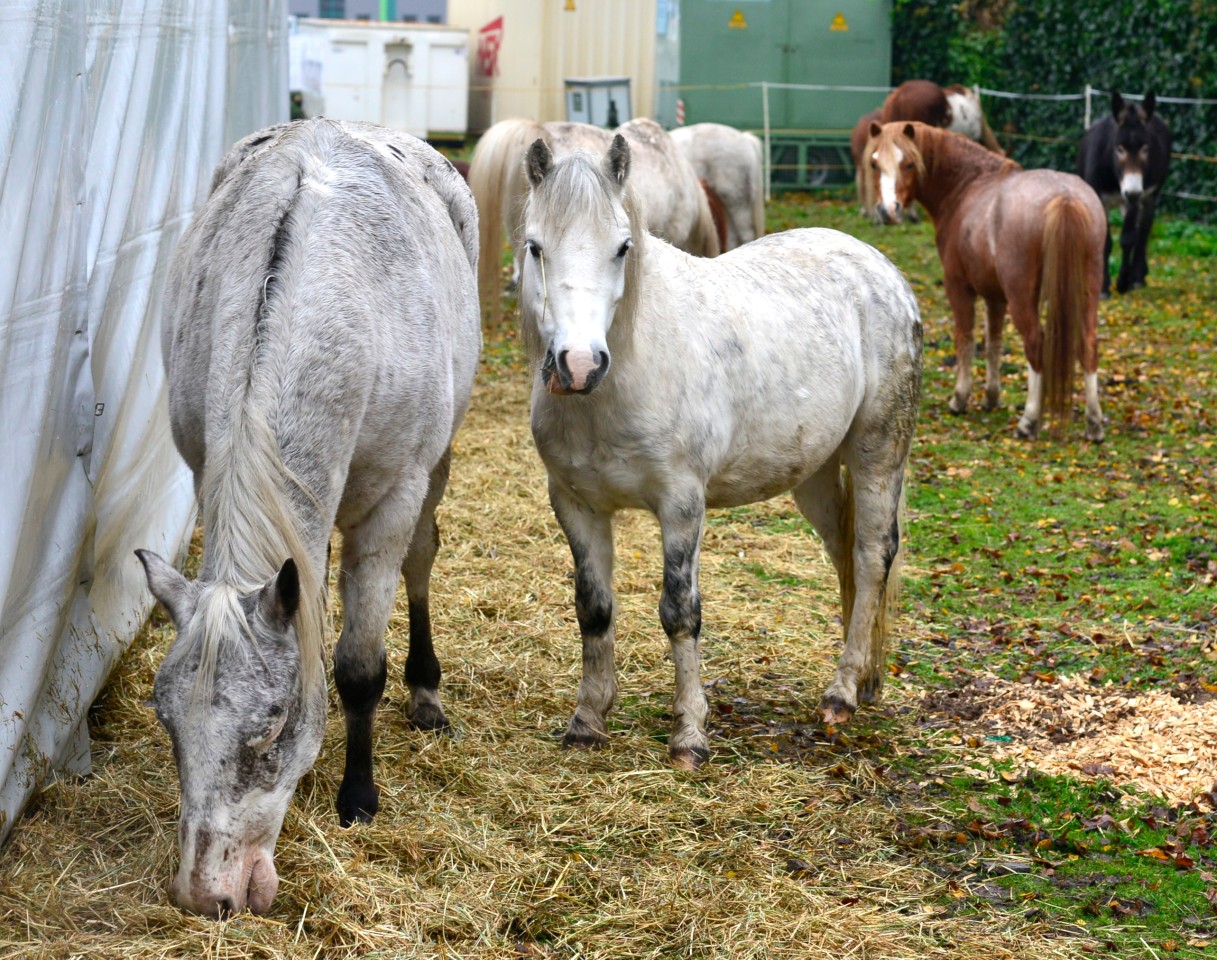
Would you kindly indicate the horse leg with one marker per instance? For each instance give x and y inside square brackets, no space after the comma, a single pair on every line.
[372,553]
[590,536]
[963,306]
[680,613]
[422,671]
[821,498]
[871,513]
[1027,322]
[996,318]
[1129,237]
[1134,238]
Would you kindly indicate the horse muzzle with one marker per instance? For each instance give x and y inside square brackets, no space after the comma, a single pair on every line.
[574,371]
[889,215]
[245,879]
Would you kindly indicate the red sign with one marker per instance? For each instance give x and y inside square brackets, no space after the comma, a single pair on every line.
[490,38]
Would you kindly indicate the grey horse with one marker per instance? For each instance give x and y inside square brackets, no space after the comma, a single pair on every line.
[320,337]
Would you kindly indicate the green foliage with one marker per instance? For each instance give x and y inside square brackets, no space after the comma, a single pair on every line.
[1059,46]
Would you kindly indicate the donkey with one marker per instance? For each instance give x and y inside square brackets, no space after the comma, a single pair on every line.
[1125,157]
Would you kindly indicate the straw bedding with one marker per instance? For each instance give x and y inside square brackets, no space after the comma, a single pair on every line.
[495,842]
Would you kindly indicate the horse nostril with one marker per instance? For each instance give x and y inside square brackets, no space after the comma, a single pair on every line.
[224,907]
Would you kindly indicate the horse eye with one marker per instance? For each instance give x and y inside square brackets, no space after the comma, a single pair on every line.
[533,247]
[874,165]
[624,249]
[1120,152]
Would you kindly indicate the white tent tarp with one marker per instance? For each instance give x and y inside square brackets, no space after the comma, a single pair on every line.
[112,115]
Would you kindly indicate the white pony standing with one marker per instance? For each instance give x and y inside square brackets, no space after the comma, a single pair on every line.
[671,383]
[731,162]
[320,338]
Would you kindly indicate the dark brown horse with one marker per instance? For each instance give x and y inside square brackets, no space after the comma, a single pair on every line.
[1026,240]
[955,108]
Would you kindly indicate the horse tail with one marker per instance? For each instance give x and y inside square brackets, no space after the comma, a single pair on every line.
[496,177]
[717,211]
[1066,250]
[758,187]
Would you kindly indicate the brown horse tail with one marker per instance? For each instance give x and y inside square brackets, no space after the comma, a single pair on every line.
[703,239]
[1063,300]
[496,179]
[717,212]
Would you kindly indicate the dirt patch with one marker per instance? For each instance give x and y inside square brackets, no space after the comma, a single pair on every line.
[1073,726]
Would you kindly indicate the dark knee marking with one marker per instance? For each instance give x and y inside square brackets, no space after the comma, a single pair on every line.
[593,601]
[679,605]
[360,691]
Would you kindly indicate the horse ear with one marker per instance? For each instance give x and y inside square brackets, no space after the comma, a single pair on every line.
[175,592]
[1117,104]
[619,159]
[910,131]
[281,596]
[1148,104]
[538,162]
[875,128]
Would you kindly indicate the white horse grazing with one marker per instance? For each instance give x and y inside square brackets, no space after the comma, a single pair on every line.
[320,337]
[670,383]
[669,191]
[731,162]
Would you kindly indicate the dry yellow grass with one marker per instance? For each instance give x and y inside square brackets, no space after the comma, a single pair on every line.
[495,842]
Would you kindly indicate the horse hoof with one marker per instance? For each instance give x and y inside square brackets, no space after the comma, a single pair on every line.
[429,717]
[957,408]
[1027,432]
[870,689]
[1094,433]
[357,804]
[688,758]
[836,712]
[582,736]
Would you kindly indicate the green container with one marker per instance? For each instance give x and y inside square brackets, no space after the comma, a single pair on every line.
[728,47]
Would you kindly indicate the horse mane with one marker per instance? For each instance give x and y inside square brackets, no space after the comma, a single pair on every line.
[496,177]
[250,497]
[932,145]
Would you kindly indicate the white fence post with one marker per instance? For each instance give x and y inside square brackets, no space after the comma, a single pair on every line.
[1086,121]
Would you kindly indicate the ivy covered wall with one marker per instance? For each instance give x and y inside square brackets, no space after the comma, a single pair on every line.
[1057,47]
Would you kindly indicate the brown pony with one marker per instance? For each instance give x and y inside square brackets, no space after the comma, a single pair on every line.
[1020,239]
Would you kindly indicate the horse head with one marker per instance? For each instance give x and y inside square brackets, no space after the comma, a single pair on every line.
[246,722]
[895,167]
[578,234]
[1130,154]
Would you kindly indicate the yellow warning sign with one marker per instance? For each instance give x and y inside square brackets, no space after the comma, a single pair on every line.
[737,21]
[570,5]
[838,22]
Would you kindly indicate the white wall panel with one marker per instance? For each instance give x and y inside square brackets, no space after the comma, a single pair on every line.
[112,115]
